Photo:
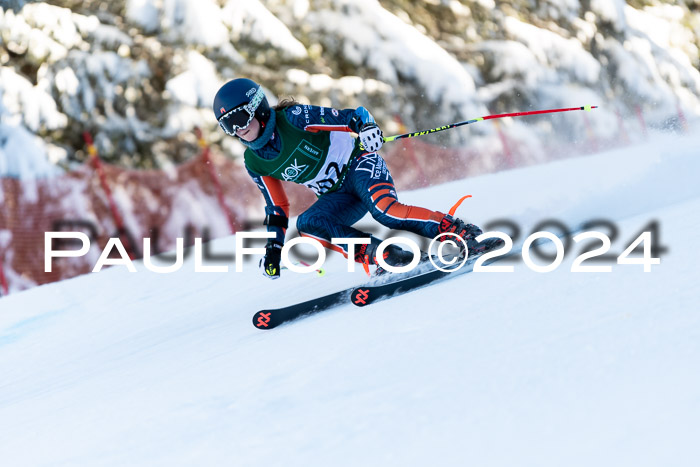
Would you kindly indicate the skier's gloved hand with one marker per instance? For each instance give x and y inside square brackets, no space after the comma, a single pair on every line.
[270,264]
[468,232]
[457,226]
[371,137]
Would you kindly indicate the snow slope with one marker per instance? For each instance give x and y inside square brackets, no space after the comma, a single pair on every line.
[561,368]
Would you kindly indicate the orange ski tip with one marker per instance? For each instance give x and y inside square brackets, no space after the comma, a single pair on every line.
[453,209]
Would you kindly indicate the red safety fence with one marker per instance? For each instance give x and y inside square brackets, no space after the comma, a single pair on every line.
[3,280]
[207,197]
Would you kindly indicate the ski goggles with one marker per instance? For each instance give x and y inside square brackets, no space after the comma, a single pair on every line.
[240,117]
[236,119]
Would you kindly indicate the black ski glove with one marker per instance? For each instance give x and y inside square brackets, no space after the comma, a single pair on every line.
[270,264]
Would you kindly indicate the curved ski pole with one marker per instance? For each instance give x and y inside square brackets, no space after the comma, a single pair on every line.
[487,117]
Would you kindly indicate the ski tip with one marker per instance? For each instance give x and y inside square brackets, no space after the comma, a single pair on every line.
[360,296]
[261,320]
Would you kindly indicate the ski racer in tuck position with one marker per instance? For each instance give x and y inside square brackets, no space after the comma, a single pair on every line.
[313,146]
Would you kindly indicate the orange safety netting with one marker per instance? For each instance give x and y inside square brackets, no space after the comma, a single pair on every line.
[161,205]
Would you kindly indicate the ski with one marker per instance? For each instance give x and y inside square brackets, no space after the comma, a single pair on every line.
[365,295]
[268,319]
[360,296]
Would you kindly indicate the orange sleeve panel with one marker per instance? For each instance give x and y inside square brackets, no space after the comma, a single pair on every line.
[277,194]
[403,211]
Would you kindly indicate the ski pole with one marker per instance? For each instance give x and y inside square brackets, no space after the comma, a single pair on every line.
[487,117]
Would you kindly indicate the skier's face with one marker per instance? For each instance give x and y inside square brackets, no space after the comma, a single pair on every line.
[251,132]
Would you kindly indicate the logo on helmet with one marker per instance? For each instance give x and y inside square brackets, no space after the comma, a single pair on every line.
[222,110]
[250,92]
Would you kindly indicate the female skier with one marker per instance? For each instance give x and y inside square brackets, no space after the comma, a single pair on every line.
[313,146]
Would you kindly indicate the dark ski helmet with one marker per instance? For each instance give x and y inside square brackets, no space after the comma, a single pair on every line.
[237,102]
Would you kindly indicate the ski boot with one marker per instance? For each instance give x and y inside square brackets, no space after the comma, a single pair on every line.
[393,256]
[468,232]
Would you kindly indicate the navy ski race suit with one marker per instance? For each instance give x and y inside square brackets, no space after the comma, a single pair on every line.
[312,145]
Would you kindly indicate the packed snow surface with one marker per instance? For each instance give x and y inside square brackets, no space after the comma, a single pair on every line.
[521,368]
